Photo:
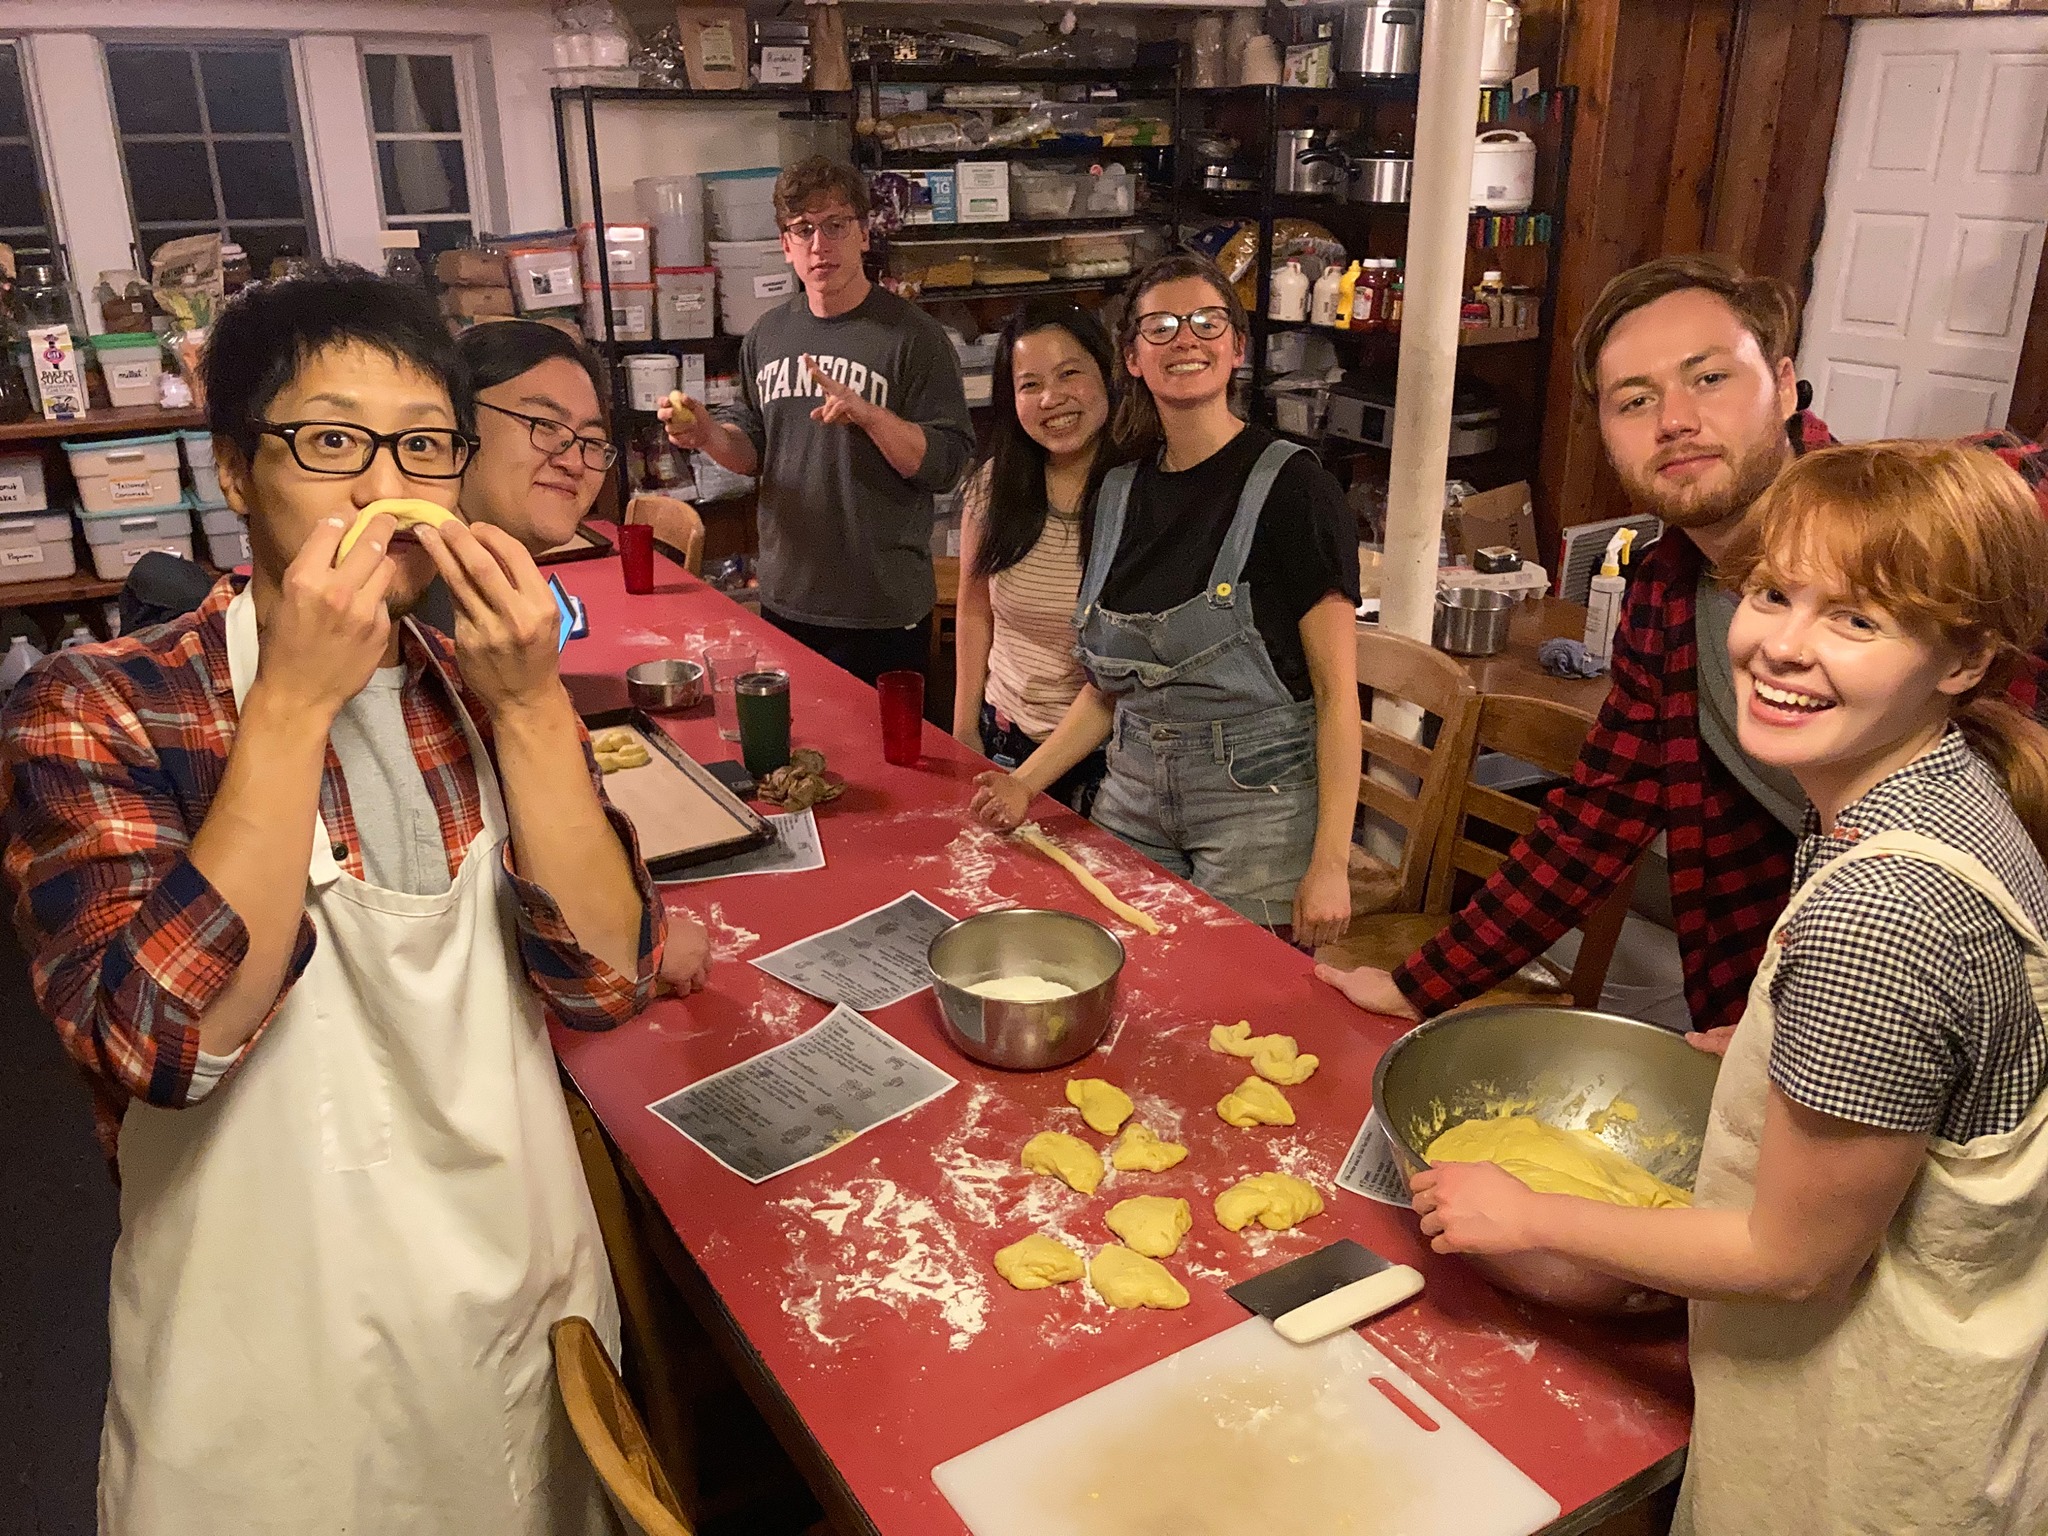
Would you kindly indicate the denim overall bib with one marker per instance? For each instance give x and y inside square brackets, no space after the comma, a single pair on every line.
[1212,761]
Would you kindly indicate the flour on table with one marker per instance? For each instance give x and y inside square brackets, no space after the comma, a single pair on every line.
[782,1014]
[884,1245]
[648,638]
[729,940]
[963,868]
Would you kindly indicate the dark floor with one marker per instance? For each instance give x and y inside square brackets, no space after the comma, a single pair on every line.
[57,1223]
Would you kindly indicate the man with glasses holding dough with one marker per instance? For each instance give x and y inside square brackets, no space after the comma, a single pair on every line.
[852,415]
[298,877]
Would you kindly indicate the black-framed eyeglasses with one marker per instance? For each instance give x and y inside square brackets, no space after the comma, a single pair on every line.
[834,228]
[1161,326]
[552,437]
[343,448]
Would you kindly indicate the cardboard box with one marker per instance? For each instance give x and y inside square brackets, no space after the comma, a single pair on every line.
[982,191]
[1504,516]
[714,39]
[473,269]
[476,303]
[934,196]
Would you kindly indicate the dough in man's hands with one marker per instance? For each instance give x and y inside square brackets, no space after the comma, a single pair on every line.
[1126,1279]
[1255,1102]
[1036,1262]
[1150,1224]
[1102,1104]
[1065,1157]
[406,510]
[1275,1201]
[1142,1152]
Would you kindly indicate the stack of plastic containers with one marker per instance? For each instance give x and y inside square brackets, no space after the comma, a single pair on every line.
[131,500]
[35,543]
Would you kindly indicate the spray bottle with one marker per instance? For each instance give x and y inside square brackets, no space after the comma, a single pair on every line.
[1604,597]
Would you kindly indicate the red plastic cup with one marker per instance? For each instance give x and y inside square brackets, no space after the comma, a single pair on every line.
[902,695]
[636,555]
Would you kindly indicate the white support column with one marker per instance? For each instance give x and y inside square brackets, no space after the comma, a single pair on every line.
[339,152]
[1445,121]
[68,81]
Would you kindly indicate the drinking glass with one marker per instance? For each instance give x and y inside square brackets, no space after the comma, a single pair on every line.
[725,660]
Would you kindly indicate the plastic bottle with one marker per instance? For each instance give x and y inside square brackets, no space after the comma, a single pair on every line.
[76,632]
[1322,304]
[1362,294]
[1347,293]
[402,257]
[1394,296]
[1492,292]
[21,655]
[1288,299]
[1604,597]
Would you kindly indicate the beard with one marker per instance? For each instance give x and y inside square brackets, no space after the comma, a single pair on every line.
[1750,474]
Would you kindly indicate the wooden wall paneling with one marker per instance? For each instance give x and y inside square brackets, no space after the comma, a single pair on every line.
[1749,130]
[1784,226]
[1696,135]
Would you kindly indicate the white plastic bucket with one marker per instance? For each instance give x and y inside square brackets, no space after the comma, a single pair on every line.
[753,277]
[649,378]
[742,205]
[674,205]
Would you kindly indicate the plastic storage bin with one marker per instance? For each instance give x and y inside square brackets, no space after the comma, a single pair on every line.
[226,536]
[197,448]
[753,277]
[742,204]
[21,484]
[1042,192]
[545,277]
[36,546]
[632,312]
[131,362]
[127,474]
[674,205]
[629,248]
[685,301]
[119,539]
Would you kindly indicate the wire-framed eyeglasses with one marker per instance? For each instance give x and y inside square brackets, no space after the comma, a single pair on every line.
[1161,326]
[344,448]
[552,437]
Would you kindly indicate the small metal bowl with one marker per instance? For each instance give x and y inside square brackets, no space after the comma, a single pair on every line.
[1566,1065]
[1058,946]
[665,685]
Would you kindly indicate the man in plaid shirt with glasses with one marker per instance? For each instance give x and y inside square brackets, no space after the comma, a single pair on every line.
[1689,364]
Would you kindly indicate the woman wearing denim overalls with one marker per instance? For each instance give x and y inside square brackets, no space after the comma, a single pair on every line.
[1217,630]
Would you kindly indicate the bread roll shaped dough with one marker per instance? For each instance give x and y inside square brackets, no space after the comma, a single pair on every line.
[1276,1058]
[1142,1152]
[1255,1102]
[1065,1157]
[1128,1280]
[1276,1201]
[1150,1224]
[1036,1262]
[1102,1104]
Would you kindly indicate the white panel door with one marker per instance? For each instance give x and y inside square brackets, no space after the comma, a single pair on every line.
[1936,205]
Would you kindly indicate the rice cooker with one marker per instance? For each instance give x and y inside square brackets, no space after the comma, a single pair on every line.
[1503,171]
[1503,37]
[1382,39]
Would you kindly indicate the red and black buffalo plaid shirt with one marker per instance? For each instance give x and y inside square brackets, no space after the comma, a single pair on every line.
[1645,770]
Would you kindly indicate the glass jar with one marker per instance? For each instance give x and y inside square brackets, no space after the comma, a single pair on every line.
[40,296]
[235,273]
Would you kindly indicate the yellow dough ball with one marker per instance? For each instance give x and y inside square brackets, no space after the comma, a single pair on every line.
[1037,1262]
[1102,1104]
[406,510]
[1142,1152]
[1129,1280]
[1065,1157]
[1150,1224]
[1276,1201]
[1255,1102]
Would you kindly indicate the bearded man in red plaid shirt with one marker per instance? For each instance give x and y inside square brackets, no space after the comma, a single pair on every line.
[1689,362]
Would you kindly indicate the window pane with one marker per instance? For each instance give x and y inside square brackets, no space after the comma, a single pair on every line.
[170,181]
[245,91]
[153,90]
[264,241]
[13,104]
[423,176]
[413,93]
[20,199]
[260,179]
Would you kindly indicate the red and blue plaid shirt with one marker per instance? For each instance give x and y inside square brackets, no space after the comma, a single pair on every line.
[113,755]
[1645,770]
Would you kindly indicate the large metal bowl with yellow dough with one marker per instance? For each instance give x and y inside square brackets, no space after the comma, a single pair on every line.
[1015,952]
[1640,1088]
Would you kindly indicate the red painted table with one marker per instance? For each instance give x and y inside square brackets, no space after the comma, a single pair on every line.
[861,1283]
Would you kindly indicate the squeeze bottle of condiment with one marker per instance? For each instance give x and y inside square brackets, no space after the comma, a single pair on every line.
[1347,293]
[1322,304]
[1604,597]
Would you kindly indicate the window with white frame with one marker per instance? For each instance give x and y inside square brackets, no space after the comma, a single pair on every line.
[421,127]
[211,141]
[24,210]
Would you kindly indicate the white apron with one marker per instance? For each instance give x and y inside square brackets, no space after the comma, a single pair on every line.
[1917,1403]
[336,1274]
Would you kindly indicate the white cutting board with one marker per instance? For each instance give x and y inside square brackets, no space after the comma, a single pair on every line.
[1245,1432]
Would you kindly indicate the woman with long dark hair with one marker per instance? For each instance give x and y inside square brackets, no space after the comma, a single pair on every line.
[1022,538]
[1217,629]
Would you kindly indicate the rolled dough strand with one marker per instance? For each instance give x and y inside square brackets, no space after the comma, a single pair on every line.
[1031,837]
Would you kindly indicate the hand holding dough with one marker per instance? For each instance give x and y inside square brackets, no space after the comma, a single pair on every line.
[1126,1279]
[1276,1201]
[679,407]
[1150,1224]
[1276,1058]
[1036,1262]
[407,510]
[1030,835]
[1142,1152]
[1554,1161]
[1102,1104]
[1255,1102]
[1065,1157]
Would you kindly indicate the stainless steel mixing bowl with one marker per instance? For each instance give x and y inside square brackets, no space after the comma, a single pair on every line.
[661,686]
[1564,1066]
[1058,946]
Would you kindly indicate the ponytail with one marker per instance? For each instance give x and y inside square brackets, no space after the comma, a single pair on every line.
[2016,746]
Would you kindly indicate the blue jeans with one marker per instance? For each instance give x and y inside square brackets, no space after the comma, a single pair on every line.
[1228,804]
[1007,747]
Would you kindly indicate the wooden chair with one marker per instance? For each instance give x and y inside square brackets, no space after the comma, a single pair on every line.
[1394,666]
[602,1415]
[1548,735]
[675,523]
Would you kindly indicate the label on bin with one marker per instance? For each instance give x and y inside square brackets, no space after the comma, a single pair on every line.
[13,490]
[24,554]
[142,488]
[775,285]
[552,282]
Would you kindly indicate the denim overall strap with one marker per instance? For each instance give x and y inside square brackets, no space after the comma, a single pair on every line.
[1244,525]
[1111,500]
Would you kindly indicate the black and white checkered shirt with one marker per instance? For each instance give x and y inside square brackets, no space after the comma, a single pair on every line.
[1901,994]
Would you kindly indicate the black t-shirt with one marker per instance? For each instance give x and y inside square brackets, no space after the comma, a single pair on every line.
[1306,546]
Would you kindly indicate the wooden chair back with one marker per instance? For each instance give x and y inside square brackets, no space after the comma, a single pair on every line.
[1394,666]
[604,1420]
[675,523]
[1550,736]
